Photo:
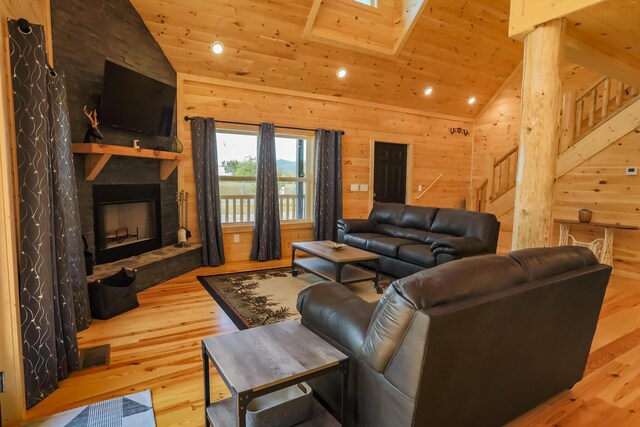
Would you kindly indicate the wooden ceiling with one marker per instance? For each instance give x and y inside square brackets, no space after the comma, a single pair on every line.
[610,27]
[458,47]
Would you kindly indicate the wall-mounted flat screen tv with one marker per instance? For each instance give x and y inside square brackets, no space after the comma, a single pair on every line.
[135,102]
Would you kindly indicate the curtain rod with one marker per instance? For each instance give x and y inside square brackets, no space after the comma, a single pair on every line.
[187,118]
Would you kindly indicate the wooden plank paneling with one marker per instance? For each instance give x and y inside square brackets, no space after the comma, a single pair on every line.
[435,150]
[460,48]
[600,184]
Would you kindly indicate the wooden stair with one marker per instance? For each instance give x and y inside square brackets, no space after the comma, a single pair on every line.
[605,112]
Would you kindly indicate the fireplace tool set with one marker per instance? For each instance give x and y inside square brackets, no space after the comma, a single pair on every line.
[184,233]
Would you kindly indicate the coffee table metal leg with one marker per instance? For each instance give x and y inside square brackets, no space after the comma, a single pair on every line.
[376,281]
[294,273]
[242,400]
[344,370]
[339,272]
[207,397]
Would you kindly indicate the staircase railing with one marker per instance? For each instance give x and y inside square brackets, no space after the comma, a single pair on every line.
[477,197]
[502,173]
[584,112]
[580,114]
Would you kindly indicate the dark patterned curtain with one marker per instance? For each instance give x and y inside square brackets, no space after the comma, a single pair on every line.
[205,168]
[266,243]
[53,284]
[328,194]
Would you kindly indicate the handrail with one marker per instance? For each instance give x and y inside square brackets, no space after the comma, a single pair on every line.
[477,196]
[576,125]
[429,187]
[588,90]
[503,158]
[240,208]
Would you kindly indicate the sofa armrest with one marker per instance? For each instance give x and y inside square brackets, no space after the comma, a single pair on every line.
[334,311]
[356,225]
[458,247]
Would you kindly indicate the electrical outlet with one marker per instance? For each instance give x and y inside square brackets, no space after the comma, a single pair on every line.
[364,187]
[420,187]
[354,187]
[633,171]
[236,238]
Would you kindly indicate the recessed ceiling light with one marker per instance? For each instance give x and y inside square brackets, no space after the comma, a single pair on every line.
[471,100]
[341,73]
[217,47]
[428,91]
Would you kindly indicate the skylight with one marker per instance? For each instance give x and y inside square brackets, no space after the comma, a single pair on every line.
[372,3]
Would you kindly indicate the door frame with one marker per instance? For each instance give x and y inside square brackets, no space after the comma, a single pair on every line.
[409,197]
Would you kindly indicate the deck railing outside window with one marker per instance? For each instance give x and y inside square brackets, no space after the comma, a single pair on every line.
[242,208]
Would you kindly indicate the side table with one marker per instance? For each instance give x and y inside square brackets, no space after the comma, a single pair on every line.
[259,361]
[602,247]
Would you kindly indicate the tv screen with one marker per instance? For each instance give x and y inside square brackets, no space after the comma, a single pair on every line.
[135,102]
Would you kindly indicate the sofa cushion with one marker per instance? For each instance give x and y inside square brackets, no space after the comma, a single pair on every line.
[403,233]
[337,312]
[418,217]
[359,240]
[461,279]
[417,254]
[387,213]
[432,237]
[458,222]
[387,245]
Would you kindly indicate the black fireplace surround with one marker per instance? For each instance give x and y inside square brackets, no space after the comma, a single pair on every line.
[126,220]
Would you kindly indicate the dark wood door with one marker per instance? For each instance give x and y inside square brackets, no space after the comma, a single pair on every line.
[390,173]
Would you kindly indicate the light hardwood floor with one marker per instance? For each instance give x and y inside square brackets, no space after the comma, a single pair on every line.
[157,347]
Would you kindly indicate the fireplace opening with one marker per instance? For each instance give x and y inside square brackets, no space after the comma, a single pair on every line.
[128,223]
[126,220]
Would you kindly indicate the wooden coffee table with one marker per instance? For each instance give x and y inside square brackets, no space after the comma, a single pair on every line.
[332,264]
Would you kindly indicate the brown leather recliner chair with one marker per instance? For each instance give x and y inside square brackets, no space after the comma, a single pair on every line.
[475,342]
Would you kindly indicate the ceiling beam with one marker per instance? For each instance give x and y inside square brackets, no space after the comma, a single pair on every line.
[525,15]
[578,52]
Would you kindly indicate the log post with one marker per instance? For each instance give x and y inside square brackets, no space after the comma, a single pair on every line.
[539,135]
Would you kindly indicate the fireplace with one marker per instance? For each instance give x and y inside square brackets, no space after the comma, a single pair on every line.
[126,220]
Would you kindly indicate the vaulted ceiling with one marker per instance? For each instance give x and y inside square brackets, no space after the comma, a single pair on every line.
[458,47]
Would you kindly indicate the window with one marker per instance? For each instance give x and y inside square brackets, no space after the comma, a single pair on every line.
[237,170]
[372,3]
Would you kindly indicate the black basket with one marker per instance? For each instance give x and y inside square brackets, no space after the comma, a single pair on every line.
[113,295]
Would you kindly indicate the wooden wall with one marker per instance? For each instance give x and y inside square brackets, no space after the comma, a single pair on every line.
[496,131]
[435,149]
[600,184]
[12,401]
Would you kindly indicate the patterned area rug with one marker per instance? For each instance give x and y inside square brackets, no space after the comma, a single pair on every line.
[262,297]
[133,410]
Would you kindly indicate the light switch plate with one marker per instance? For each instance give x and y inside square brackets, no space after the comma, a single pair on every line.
[236,238]
[364,187]
[354,187]
[632,171]
[420,187]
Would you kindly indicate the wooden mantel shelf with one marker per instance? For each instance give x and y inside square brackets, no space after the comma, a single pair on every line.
[97,155]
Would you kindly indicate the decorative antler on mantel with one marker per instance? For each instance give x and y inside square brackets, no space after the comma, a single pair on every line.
[93,132]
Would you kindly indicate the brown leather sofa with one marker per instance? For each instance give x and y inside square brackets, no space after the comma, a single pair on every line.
[476,342]
[412,238]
